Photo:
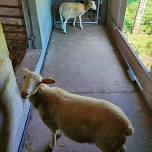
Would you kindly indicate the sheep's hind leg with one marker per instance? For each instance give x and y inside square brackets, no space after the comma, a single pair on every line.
[74,21]
[80,19]
[122,149]
[61,18]
[64,26]
[54,138]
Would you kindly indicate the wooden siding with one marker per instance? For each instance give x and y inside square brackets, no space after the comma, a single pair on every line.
[12,19]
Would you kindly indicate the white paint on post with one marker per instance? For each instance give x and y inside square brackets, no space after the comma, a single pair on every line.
[10,101]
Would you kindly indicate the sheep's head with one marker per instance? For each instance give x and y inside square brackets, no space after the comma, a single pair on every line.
[91,5]
[31,81]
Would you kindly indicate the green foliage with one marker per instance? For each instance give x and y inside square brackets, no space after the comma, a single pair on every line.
[130,15]
[146,25]
[142,42]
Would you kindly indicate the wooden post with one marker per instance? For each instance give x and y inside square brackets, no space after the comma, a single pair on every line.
[10,101]
[151,71]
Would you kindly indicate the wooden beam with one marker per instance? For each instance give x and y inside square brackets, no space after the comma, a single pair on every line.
[17,31]
[9,6]
[11,25]
[12,16]
[11,21]
[16,36]
[17,45]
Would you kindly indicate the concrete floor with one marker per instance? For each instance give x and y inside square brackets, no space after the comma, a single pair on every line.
[86,62]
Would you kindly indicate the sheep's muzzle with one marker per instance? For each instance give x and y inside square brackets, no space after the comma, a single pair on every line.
[24,95]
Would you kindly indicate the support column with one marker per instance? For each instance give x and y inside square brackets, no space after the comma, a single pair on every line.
[10,101]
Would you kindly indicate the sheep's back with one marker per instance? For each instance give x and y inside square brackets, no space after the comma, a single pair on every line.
[92,114]
[71,9]
[75,114]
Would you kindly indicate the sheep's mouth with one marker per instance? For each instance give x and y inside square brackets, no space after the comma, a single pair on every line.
[24,95]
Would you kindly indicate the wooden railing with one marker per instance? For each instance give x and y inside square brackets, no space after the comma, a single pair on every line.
[144,78]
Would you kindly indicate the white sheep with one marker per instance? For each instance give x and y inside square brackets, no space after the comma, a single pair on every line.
[83,119]
[68,10]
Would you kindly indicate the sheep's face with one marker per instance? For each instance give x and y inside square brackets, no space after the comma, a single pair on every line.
[93,5]
[31,82]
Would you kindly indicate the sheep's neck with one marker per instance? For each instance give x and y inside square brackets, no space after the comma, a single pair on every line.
[87,7]
[34,99]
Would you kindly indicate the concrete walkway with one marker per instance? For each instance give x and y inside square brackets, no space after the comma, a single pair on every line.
[86,62]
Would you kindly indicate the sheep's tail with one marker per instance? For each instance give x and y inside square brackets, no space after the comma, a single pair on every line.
[129,130]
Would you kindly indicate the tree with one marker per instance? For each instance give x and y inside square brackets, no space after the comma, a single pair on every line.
[139,16]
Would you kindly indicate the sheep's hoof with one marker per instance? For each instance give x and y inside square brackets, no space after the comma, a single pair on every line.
[49,149]
[62,145]
[81,28]
[122,149]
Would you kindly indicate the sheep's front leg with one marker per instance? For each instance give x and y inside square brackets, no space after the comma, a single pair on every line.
[52,143]
[80,19]
[74,21]
[122,149]
[57,135]
[61,18]
[54,138]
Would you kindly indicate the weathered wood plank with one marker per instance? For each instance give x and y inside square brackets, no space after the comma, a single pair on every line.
[11,21]
[10,11]
[8,6]
[12,16]
[14,29]
[14,41]
[11,25]
[9,2]
[16,36]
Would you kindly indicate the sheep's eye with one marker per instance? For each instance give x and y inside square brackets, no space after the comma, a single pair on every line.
[24,77]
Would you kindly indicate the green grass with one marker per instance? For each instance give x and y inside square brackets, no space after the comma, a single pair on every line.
[142,44]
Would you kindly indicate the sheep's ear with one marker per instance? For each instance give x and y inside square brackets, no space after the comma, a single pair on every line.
[48,81]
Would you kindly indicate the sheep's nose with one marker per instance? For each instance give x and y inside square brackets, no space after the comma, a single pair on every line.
[94,8]
[24,95]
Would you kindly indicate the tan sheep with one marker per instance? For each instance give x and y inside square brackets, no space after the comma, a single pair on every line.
[83,119]
[68,10]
